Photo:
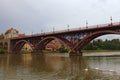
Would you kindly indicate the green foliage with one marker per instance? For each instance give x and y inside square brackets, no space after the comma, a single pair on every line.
[63,49]
[26,51]
[2,51]
[1,36]
[103,45]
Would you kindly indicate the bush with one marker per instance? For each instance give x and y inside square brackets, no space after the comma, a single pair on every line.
[63,49]
[2,51]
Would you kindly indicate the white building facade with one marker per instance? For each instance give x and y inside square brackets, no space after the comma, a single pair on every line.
[10,33]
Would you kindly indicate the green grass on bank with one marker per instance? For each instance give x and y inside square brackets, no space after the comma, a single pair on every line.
[47,51]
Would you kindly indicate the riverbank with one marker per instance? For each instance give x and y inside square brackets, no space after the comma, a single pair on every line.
[105,53]
[47,52]
[90,51]
[83,51]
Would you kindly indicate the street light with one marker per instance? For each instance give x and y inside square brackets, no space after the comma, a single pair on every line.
[32,33]
[53,29]
[41,31]
[86,24]
[68,27]
[111,20]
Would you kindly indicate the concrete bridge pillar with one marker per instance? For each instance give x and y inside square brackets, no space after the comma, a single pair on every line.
[6,44]
[9,46]
[75,53]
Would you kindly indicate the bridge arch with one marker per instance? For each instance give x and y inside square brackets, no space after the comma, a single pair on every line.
[1,45]
[90,37]
[18,46]
[5,45]
[46,40]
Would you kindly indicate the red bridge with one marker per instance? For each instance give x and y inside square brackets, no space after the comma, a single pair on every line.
[74,39]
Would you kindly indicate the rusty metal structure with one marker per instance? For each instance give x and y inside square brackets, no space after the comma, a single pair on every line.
[74,39]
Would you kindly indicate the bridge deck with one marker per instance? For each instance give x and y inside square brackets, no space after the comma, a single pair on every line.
[80,29]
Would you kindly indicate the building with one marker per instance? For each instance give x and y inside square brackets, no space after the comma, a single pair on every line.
[10,33]
[53,45]
[26,47]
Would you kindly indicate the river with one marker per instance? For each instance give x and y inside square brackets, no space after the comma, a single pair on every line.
[91,66]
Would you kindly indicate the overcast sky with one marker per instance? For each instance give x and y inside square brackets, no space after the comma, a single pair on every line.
[33,15]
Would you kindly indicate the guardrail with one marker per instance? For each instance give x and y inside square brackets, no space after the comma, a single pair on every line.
[73,29]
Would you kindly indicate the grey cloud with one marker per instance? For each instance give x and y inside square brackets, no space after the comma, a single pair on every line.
[33,15]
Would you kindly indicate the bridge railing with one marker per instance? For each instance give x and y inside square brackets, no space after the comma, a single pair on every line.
[73,29]
[116,24]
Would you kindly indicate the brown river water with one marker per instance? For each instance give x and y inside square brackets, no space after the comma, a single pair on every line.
[91,66]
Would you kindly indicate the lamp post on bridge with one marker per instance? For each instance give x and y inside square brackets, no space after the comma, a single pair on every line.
[41,31]
[68,27]
[53,29]
[86,24]
[32,33]
[111,20]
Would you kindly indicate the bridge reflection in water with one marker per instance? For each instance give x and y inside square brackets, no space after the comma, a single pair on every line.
[58,67]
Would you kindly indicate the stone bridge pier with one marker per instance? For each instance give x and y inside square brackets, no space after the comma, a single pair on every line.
[75,53]
[5,44]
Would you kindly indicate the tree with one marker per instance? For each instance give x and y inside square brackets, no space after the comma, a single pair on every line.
[1,36]
[63,49]
[2,51]
[103,45]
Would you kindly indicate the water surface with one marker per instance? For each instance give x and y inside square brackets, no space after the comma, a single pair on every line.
[59,67]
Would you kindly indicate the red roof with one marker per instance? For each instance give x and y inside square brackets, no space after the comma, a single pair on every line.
[21,35]
[9,30]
